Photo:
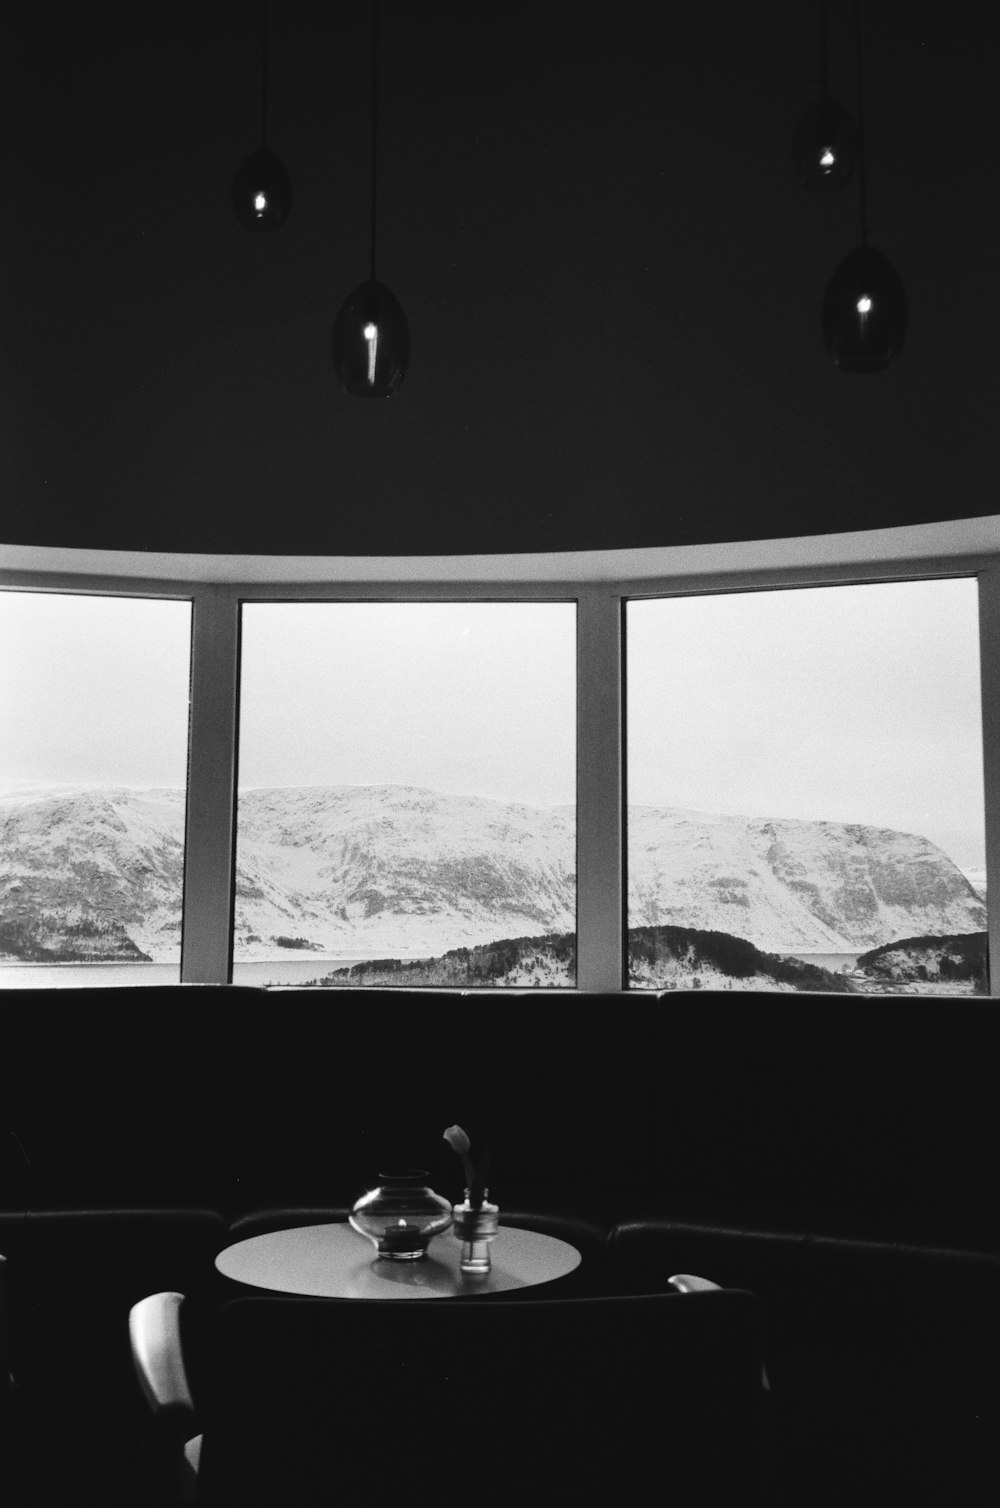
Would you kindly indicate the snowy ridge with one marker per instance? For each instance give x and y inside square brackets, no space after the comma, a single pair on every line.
[113,856]
[372,871]
[788,885]
[362,872]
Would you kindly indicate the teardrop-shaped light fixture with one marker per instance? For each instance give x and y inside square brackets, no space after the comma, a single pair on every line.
[262,190]
[825,144]
[865,311]
[825,147]
[371,339]
[371,342]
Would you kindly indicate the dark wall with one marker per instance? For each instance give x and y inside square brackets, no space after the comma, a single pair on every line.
[612,277]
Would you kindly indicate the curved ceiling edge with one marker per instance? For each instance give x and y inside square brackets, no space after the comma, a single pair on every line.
[954,541]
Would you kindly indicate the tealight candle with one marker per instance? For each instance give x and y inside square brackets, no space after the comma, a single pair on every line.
[401,1237]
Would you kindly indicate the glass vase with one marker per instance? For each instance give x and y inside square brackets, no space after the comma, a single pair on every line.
[476,1228]
[402,1215]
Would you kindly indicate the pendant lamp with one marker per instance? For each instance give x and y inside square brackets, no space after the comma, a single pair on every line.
[371,339]
[825,145]
[262,192]
[864,311]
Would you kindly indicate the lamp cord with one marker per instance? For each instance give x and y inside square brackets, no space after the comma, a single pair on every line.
[822,48]
[374,133]
[263,75]
[20,1145]
[862,180]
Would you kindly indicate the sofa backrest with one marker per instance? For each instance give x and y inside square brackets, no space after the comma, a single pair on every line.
[834,1114]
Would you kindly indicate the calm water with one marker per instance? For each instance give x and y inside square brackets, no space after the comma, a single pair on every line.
[290,971]
[835,962]
[47,976]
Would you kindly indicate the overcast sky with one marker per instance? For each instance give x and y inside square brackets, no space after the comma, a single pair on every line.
[847,704]
[471,697]
[93,690]
[844,704]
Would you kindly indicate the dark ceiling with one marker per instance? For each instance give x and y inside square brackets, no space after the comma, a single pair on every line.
[612,277]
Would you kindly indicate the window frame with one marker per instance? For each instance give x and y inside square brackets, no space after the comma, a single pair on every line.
[600,583]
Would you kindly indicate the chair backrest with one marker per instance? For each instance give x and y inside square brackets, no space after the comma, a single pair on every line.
[577,1399]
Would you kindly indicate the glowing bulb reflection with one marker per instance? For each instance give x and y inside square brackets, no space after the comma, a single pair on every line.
[826,158]
[864,304]
[371,335]
[260,202]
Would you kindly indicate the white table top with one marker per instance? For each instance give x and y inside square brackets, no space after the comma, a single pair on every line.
[334,1261]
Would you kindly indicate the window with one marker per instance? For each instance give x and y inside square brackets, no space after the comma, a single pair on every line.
[805,790]
[407,790]
[350,665]
[93,761]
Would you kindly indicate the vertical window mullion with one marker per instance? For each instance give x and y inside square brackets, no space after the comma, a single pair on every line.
[599,841]
[989,660]
[209,837]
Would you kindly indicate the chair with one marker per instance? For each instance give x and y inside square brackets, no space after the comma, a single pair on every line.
[576,1399]
[72,1277]
[882,1357]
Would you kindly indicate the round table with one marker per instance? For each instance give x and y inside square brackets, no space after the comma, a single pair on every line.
[333,1261]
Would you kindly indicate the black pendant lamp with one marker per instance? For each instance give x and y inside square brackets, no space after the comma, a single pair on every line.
[262,192]
[864,311]
[825,145]
[371,339]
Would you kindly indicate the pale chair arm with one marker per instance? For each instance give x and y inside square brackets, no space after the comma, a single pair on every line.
[155,1334]
[688,1282]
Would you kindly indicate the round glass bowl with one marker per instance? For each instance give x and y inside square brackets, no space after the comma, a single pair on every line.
[402,1215]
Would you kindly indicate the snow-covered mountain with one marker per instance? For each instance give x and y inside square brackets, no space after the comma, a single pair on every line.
[78,856]
[793,886]
[377,871]
[397,871]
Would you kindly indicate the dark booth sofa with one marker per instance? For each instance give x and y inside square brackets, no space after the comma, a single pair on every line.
[833,1154]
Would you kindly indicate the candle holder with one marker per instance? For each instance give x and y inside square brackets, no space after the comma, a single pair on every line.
[402,1215]
[476,1228]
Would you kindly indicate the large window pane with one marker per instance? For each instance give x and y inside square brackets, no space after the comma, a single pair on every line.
[805,777]
[93,771]
[407,780]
